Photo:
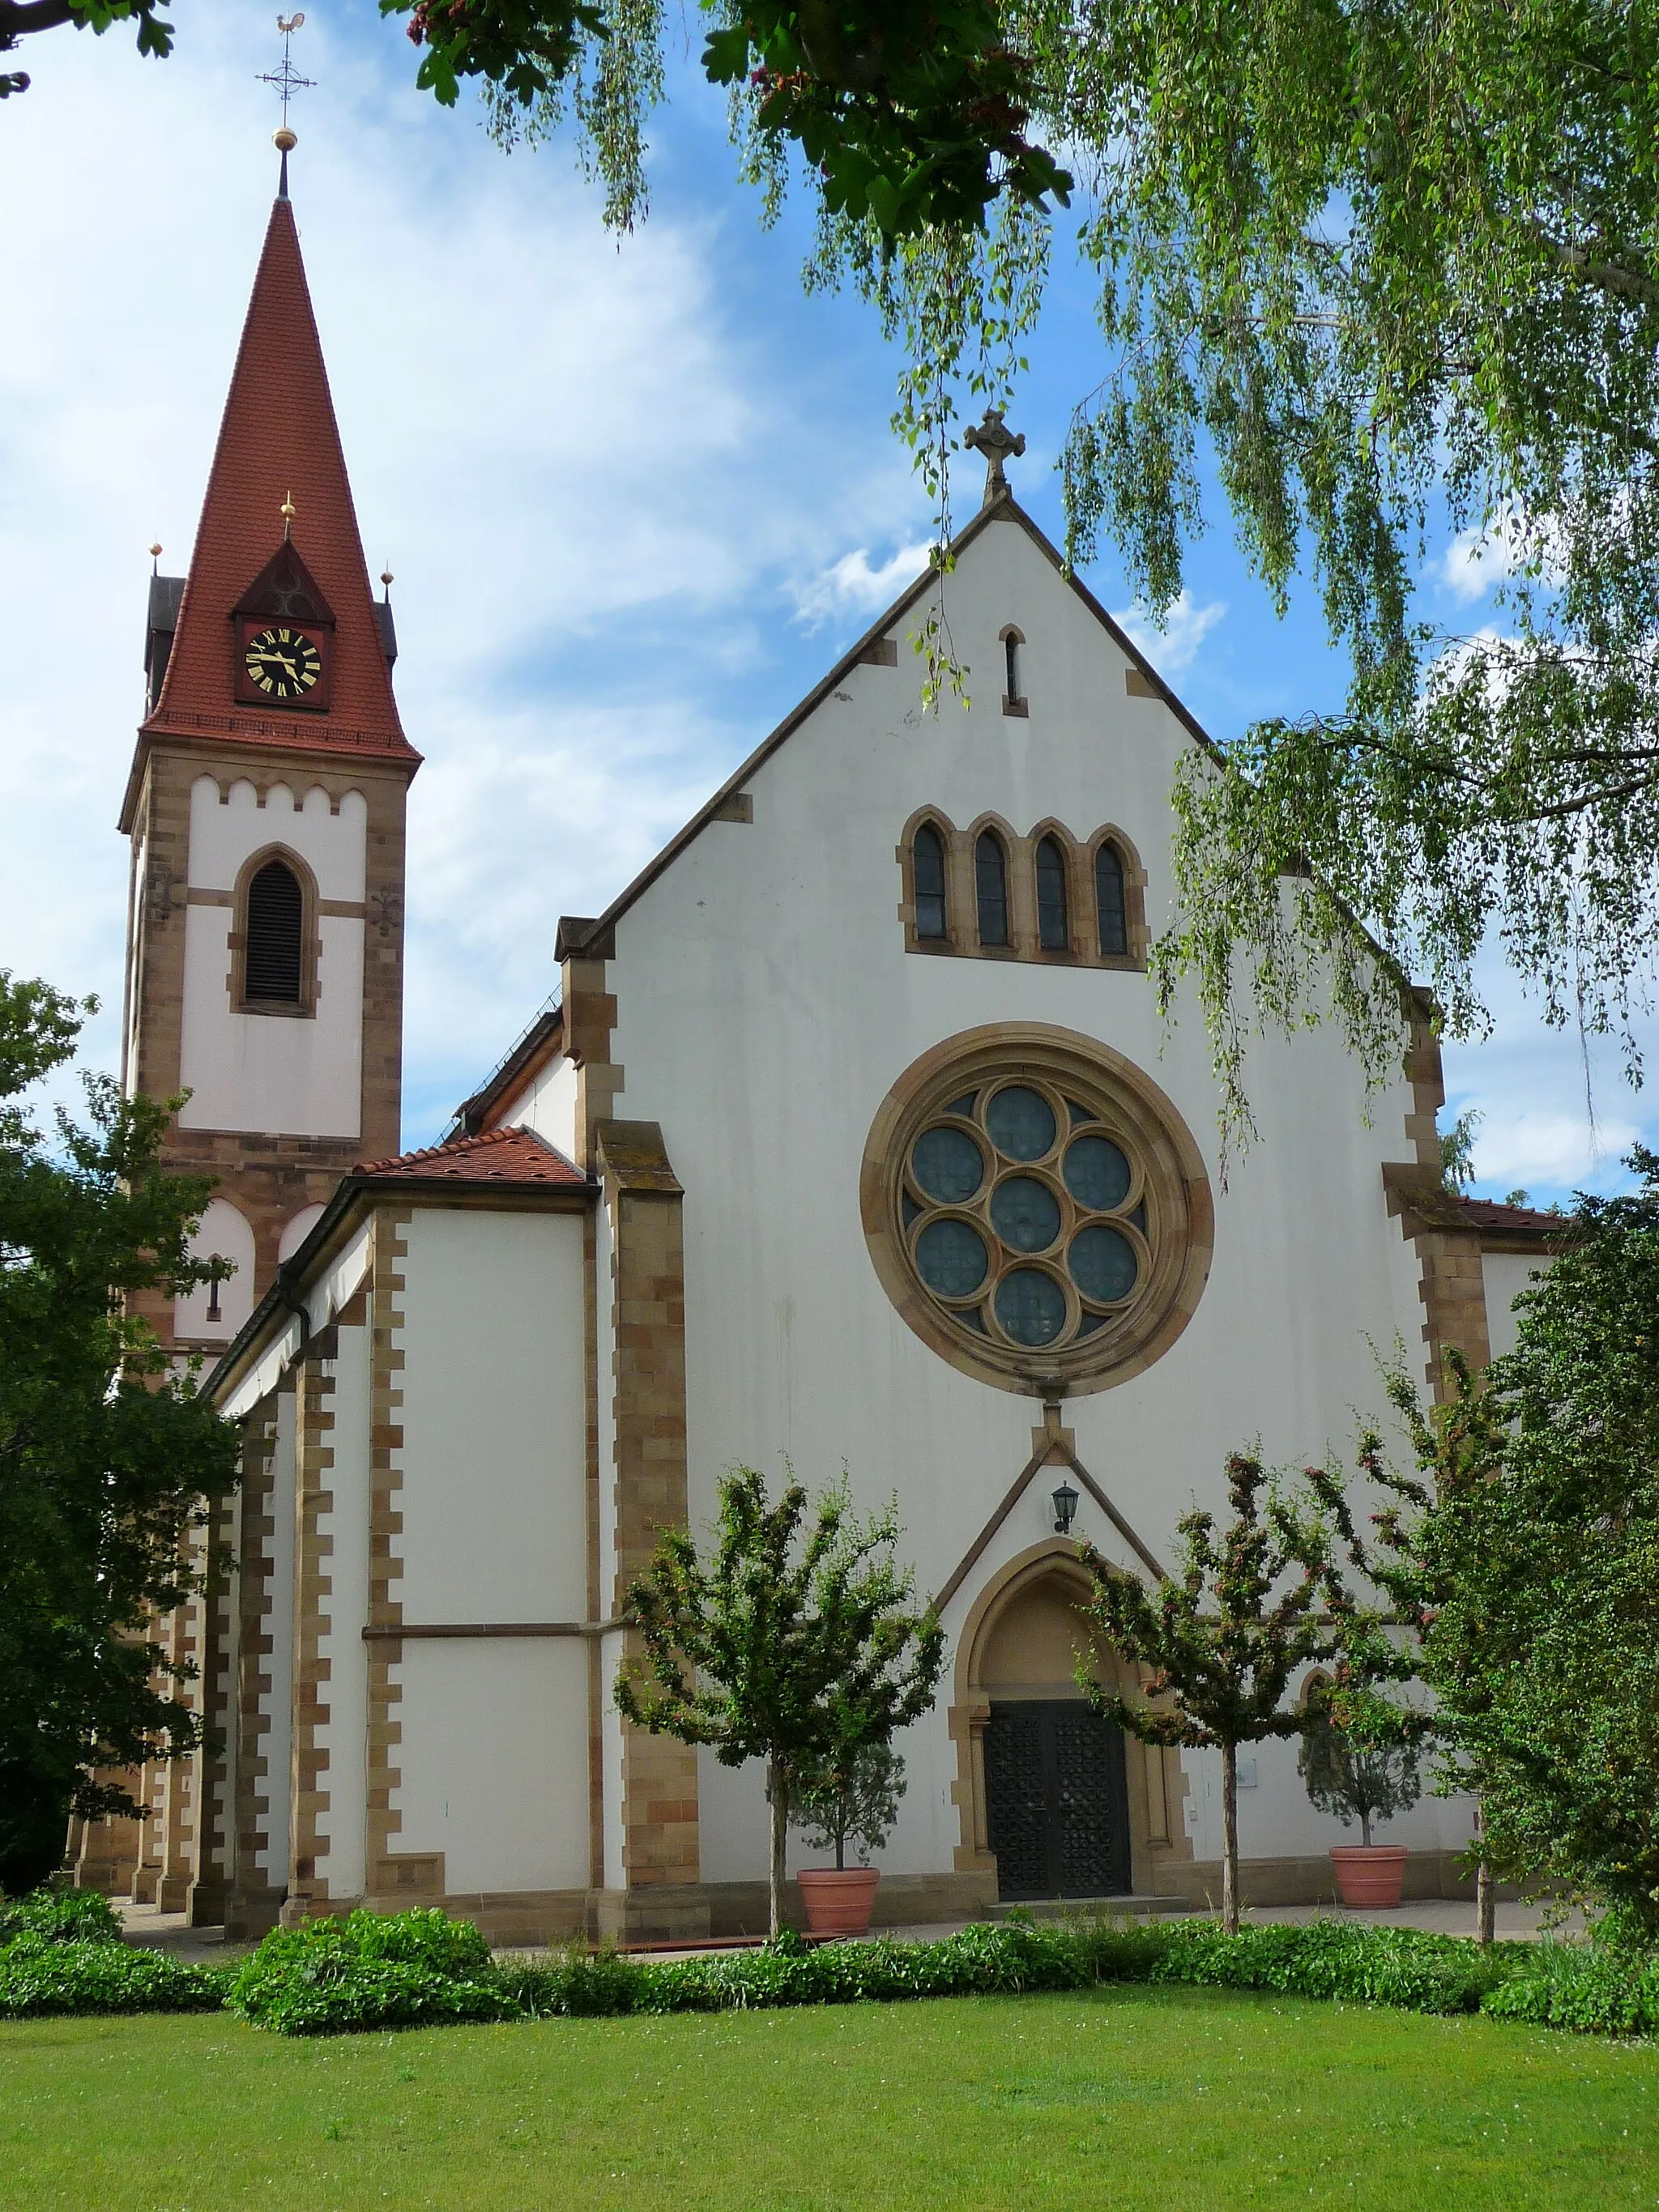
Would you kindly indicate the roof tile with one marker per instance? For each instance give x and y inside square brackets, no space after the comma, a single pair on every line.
[506,1156]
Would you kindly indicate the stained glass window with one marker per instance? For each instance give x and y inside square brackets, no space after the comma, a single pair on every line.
[1021,1122]
[946,1164]
[1102,1263]
[1025,1213]
[1109,899]
[927,856]
[1002,1178]
[1054,921]
[1097,1173]
[991,888]
[952,1258]
[1031,1306]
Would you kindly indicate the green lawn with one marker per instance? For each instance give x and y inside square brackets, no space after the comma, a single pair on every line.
[1179,2099]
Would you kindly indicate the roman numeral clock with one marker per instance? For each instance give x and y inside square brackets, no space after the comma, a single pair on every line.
[284,632]
[282,663]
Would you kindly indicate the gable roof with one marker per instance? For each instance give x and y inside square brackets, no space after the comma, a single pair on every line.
[495,1155]
[579,938]
[278,440]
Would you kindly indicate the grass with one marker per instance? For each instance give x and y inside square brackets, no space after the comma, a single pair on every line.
[1119,2097]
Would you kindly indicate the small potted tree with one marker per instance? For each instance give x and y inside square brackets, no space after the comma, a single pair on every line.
[1358,1775]
[852,1803]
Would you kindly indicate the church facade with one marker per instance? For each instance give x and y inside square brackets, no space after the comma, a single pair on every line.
[855,1139]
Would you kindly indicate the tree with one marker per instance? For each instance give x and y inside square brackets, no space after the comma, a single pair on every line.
[1525,1554]
[856,1804]
[795,1641]
[1223,1637]
[1351,1773]
[105,1457]
[1396,267]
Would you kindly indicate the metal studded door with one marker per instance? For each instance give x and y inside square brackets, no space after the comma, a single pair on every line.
[1057,1802]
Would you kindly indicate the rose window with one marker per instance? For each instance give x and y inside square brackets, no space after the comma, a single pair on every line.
[1026,1215]
[1041,1216]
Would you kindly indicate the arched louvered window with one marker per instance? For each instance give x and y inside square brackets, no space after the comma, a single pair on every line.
[1054,921]
[1109,900]
[274,961]
[1010,643]
[991,888]
[927,860]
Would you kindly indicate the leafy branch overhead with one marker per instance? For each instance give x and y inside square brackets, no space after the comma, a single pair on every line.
[1390,274]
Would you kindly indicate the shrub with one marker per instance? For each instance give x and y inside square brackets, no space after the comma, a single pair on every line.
[370,1970]
[1592,1989]
[1402,1967]
[38,1975]
[60,1915]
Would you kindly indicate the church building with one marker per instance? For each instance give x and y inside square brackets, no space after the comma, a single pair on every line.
[855,1139]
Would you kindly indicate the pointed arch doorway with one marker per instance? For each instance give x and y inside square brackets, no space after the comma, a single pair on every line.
[1056,1801]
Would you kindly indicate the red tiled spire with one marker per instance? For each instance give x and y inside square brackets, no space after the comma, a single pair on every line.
[279,437]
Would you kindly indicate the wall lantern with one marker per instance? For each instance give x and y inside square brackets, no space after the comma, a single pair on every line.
[1066,1503]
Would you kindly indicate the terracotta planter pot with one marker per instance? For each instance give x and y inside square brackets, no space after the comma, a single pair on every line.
[839,1902]
[1369,1874]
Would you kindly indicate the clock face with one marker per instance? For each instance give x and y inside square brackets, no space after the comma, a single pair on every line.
[283,662]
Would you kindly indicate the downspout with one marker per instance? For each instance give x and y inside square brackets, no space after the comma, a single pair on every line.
[297,1307]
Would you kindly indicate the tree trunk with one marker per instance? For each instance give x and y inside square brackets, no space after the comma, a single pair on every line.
[777,1791]
[1364,1827]
[1230,1838]
[1485,1900]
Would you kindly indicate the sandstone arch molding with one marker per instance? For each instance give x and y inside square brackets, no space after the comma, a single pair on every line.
[1020,1619]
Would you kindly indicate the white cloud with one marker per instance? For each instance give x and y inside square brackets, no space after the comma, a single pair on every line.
[1475,560]
[1185,628]
[1548,1151]
[851,585]
[593,470]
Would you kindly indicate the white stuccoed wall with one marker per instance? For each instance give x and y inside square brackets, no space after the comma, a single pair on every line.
[343,1737]
[494,1750]
[766,1005]
[289,1077]
[277,1702]
[548,1106]
[227,1233]
[1506,1276]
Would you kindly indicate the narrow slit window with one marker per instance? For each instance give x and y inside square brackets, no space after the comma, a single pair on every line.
[990,887]
[1109,898]
[1010,650]
[1053,922]
[275,929]
[213,1312]
[927,859]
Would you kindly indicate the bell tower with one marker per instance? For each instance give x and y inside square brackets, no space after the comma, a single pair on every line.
[265,810]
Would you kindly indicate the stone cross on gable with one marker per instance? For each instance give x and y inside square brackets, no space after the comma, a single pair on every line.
[998,444]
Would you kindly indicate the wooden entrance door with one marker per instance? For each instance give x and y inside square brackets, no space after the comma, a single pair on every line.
[1057,1801]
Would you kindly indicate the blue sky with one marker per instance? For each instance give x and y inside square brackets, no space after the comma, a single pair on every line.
[635,497]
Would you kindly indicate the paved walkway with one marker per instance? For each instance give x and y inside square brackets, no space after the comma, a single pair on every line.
[166,1931]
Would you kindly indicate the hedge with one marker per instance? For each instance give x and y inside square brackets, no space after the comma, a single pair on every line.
[39,1976]
[414,1969]
[60,1915]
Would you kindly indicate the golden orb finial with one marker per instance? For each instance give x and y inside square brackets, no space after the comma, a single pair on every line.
[283,139]
[288,511]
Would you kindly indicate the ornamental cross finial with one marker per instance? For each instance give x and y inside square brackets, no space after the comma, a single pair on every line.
[287,81]
[998,444]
